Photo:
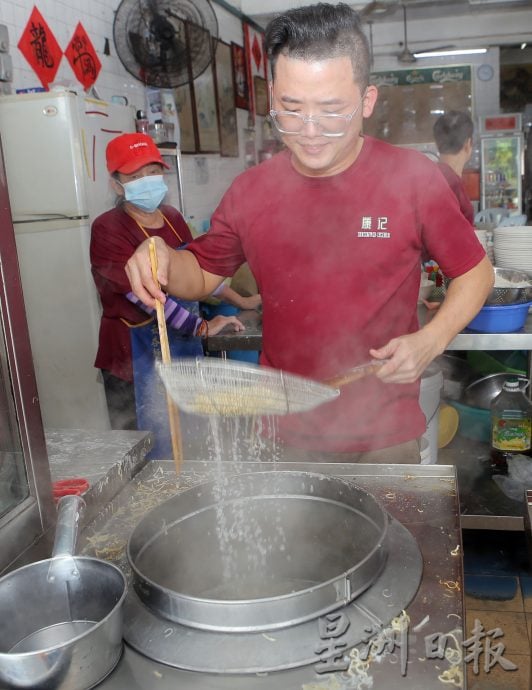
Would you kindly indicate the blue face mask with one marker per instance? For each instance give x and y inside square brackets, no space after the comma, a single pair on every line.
[146,192]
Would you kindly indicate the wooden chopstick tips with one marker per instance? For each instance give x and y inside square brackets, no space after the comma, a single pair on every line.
[173,412]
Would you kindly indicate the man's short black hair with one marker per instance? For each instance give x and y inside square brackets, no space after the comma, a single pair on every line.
[320,32]
[452,130]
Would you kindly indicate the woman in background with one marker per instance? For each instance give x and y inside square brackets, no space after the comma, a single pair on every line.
[128,339]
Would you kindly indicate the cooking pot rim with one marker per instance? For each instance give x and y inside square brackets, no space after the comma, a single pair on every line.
[152,592]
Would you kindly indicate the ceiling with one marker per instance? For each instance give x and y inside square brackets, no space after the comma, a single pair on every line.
[391,10]
[431,23]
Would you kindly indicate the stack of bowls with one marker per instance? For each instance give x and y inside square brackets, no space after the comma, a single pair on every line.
[513,247]
[482,236]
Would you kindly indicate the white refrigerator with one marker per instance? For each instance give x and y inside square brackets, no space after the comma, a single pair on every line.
[54,148]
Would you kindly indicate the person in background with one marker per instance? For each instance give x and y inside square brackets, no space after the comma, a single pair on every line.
[453,135]
[128,337]
[333,228]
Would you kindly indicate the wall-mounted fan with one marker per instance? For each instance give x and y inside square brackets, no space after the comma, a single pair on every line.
[165,43]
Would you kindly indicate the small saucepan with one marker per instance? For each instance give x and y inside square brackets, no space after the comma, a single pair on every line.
[62,617]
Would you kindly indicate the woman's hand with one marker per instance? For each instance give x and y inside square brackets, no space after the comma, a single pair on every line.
[218,323]
[432,307]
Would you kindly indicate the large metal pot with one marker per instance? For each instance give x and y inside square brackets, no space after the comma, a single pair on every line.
[61,617]
[262,551]
[482,392]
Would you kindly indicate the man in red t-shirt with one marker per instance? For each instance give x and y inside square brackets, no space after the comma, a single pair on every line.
[333,229]
[453,134]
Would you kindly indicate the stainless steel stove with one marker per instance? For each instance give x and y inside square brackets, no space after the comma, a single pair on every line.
[372,640]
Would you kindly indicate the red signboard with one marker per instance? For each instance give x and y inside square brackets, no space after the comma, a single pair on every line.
[83,58]
[501,122]
[39,47]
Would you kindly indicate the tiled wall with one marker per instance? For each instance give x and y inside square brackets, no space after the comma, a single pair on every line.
[204,181]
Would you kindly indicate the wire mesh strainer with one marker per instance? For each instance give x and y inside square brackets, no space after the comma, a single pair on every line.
[208,386]
[515,287]
[511,287]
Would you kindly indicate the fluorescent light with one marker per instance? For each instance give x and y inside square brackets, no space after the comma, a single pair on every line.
[446,53]
[523,46]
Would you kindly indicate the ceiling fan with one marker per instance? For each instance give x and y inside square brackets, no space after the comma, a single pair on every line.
[381,8]
[378,8]
[406,55]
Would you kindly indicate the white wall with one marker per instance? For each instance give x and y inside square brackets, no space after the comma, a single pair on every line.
[206,177]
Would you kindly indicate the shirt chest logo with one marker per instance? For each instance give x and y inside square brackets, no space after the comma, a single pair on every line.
[374,228]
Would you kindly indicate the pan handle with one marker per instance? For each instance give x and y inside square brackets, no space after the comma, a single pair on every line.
[69,512]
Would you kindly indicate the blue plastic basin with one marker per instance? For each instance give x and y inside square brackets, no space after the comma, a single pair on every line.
[474,422]
[506,318]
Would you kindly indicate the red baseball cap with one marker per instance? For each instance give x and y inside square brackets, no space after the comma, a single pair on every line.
[129,152]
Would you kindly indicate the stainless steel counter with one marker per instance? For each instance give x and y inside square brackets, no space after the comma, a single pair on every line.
[106,459]
[469,340]
[422,498]
[93,454]
[483,505]
[251,338]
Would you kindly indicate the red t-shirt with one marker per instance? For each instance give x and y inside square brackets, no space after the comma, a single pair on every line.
[114,238]
[337,262]
[457,185]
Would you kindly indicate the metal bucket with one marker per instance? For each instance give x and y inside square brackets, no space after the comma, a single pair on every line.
[266,550]
[61,617]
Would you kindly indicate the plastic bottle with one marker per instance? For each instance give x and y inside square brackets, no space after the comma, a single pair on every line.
[141,123]
[511,425]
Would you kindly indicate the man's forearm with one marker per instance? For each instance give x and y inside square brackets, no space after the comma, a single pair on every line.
[466,295]
[186,278]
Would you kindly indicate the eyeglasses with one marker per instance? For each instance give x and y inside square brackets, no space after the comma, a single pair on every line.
[330,125]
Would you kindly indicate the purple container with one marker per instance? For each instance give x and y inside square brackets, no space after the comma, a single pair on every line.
[504,318]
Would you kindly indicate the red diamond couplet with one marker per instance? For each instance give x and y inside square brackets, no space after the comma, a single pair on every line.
[256,51]
[82,57]
[40,48]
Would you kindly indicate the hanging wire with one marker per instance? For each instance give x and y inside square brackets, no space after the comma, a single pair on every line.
[370,24]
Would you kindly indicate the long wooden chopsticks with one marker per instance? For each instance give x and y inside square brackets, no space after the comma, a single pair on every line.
[356,373]
[173,412]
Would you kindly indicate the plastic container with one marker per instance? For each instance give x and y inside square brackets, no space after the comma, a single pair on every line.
[447,427]
[511,424]
[141,123]
[424,452]
[474,423]
[457,373]
[495,362]
[429,401]
[506,318]
[448,422]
